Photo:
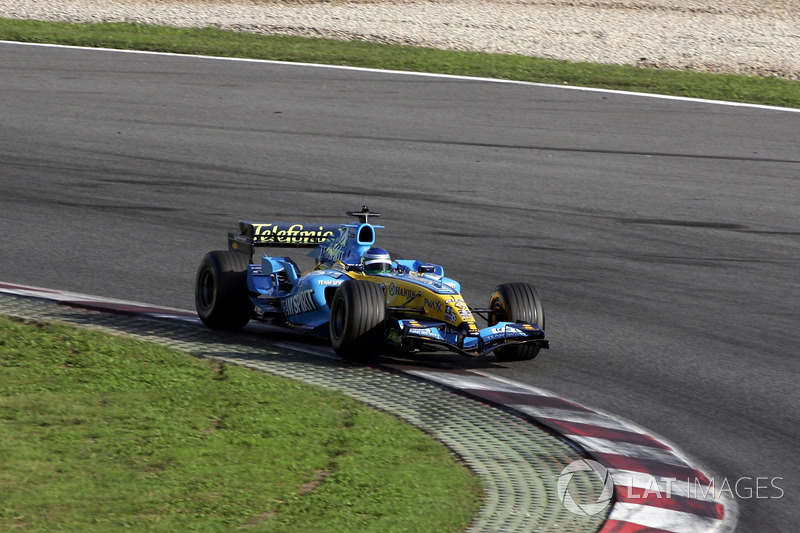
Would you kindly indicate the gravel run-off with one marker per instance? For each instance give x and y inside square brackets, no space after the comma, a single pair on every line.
[754,37]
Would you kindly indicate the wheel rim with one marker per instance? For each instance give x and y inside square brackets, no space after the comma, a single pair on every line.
[206,289]
[337,319]
[499,313]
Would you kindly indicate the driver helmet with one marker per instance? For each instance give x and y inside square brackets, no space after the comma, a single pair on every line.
[376,261]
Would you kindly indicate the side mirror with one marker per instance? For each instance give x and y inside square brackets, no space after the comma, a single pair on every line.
[436,270]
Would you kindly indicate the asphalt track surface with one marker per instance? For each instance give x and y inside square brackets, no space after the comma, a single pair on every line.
[663,235]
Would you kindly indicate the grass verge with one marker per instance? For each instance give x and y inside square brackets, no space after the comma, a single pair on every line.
[215,42]
[100,433]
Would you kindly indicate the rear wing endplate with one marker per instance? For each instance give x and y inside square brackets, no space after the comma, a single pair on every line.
[280,234]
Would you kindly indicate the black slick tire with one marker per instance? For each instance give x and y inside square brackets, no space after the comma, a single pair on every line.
[358,311]
[220,293]
[516,302]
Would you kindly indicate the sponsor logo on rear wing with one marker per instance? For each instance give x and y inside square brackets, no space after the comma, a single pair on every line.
[291,234]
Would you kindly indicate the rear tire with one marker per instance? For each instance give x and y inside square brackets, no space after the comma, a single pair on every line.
[220,293]
[358,310]
[516,302]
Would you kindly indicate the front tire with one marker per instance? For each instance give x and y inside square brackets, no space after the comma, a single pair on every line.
[220,293]
[358,310]
[516,302]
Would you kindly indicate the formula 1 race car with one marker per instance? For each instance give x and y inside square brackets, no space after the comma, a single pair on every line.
[358,296]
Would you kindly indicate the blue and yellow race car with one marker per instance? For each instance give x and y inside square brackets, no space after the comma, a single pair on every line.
[360,297]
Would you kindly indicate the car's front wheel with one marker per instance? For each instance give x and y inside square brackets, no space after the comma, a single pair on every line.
[220,293]
[516,302]
[358,311]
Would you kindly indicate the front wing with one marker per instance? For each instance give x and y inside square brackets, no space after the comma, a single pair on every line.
[485,341]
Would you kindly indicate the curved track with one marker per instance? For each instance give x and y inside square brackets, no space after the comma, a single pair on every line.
[662,234]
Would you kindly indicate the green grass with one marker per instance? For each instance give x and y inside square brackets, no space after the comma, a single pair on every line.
[209,41]
[100,433]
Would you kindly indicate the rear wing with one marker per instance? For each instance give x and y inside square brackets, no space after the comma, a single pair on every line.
[280,234]
[301,234]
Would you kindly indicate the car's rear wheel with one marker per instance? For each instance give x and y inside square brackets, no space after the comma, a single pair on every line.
[516,302]
[358,311]
[220,293]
